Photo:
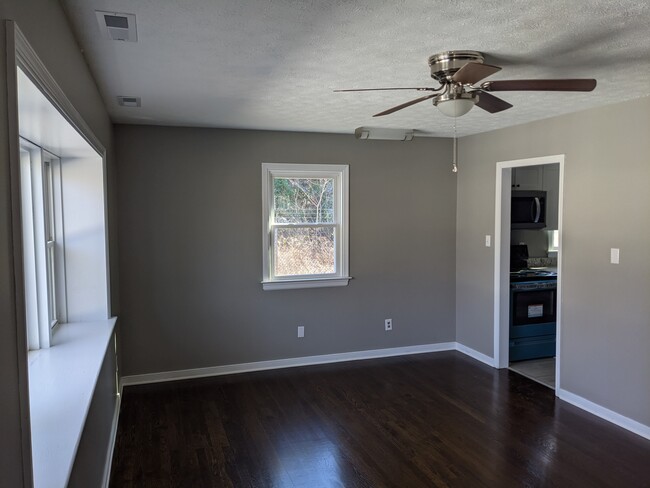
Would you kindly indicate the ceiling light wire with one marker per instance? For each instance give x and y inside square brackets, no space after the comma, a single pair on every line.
[454,163]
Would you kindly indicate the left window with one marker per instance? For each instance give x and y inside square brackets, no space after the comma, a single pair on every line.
[305,225]
[44,243]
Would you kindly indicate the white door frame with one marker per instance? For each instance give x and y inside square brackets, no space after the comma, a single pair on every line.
[502,255]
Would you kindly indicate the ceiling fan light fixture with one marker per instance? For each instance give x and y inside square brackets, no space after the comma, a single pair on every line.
[459,72]
[456,106]
[383,133]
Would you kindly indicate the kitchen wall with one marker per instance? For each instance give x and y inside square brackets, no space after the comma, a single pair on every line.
[605,307]
[191,248]
[535,239]
[45,26]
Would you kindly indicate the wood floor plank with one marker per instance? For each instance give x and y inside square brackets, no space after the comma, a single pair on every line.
[416,421]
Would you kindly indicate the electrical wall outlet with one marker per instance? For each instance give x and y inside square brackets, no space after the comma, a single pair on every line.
[301,331]
[615,255]
[388,324]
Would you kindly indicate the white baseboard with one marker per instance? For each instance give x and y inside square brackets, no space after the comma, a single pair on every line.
[578,401]
[111,446]
[284,363]
[605,413]
[479,356]
[583,403]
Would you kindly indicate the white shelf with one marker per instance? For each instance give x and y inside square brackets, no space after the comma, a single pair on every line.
[61,384]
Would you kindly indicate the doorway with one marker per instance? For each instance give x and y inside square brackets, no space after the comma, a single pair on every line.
[534,314]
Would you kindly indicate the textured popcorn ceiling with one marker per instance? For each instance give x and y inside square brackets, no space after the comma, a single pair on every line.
[272,64]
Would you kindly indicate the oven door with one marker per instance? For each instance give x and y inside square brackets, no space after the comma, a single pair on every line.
[532,312]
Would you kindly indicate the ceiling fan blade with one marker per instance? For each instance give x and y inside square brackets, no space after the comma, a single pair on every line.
[491,103]
[540,85]
[404,105]
[473,72]
[384,89]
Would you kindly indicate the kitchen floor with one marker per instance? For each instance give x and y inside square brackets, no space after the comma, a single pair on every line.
[540,370]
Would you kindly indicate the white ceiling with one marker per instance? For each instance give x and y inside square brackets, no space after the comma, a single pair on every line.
[272,64]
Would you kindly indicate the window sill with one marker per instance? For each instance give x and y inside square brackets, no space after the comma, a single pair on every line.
[61,384]
[308,283]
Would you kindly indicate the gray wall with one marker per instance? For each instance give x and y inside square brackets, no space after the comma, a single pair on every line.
[46,27]
[12,360]
[605,307]
[191,248]
[89,465]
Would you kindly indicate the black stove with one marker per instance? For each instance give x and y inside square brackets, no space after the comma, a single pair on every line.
[519,270]
[533,306]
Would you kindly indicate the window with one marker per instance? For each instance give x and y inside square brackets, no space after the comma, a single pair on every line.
[553,241]
[67,284]
[50,241]
[305,219]
[43,243]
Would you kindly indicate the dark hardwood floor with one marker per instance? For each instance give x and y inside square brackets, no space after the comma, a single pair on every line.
[417,421]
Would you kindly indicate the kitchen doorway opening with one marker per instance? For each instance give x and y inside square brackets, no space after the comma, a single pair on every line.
[527,285]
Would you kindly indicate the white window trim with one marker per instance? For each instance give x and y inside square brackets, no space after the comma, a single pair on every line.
[56,262]
[340,173]
[43,238]
[552,249]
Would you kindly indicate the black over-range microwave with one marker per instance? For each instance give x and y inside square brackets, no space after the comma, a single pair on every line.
[528,210]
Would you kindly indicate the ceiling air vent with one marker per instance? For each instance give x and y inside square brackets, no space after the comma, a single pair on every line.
[116,26]
[128,101]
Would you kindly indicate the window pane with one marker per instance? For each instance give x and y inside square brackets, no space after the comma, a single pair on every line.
[303,200]
[304,251]
[51,284]
[553,240]
[48,200]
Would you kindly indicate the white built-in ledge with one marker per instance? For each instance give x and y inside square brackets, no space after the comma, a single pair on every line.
[61,384]
[308,283]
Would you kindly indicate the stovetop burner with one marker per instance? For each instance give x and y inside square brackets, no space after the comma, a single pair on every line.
[532,275]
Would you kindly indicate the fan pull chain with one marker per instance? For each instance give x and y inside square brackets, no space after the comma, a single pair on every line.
[454,163]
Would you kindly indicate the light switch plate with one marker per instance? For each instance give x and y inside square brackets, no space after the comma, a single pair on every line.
[488,241]
[614,256]
[301,331]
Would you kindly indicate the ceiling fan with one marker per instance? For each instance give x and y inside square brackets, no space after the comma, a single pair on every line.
[459,71]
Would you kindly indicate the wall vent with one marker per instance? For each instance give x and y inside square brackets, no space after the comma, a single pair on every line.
[128,101]
[116,26]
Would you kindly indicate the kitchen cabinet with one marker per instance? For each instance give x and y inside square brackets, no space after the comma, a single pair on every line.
[527,178]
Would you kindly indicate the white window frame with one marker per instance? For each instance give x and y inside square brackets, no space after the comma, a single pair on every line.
[43,240]
[340,174]
[50,239]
